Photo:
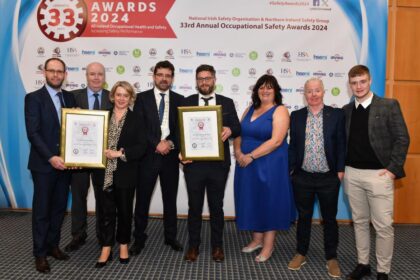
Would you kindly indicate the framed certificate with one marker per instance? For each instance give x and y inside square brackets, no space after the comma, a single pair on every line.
[200,130]
[84,137]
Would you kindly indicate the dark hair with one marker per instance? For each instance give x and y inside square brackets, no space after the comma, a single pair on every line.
[358,70]
[54,58]
[205,67]
[164,64]
[268,80]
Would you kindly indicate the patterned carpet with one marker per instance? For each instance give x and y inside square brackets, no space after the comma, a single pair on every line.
[158,261]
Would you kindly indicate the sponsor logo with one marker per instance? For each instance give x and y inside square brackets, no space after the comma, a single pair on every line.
[137,86]
[56,52]
[286,57]
[185,87]
[88,52]
[236,72]
[253,55]
[121,53]
[302,74]
[319,74]
[269,71]
[41,51]
[40,69]
[136,69]
[73,69]
[337,57]
[120,69]
[104,52]
[269,55]
[237,55]
[219,54]
[303,56]
[39,83]
[136,53]
[72,85]
[152,52]
[185,71]
[252,72]
[219,88]
[222,71]
[187,53]
[320,57]
[300,90]
[335,91]
[169,54]
[286,90]
[72,52]
[107,69]
[234,88]
[286,72]
[151,70]
[202,54]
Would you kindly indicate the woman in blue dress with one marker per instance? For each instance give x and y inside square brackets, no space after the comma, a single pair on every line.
[263,195]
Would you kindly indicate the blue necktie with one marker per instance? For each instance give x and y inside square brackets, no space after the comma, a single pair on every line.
[161,107]
[96,103]
[60,97]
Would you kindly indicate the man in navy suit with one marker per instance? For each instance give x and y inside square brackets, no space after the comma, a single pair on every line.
[316,162]
[93,97]
[210,176]
[49,174]
[157,107]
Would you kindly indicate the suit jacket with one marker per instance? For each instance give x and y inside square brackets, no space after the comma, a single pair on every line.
[133,140]
[334,138]
[43,128]
[230,119]
[388,134]
[81,97]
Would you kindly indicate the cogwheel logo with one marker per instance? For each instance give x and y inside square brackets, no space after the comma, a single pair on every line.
[120,69]
[62,20]
[219,88]
[136,53]
[335,91]
[253,55]
[236,72]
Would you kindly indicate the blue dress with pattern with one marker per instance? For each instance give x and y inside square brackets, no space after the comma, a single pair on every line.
[263,193]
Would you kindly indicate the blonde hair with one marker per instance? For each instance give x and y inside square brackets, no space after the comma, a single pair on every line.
[125,85]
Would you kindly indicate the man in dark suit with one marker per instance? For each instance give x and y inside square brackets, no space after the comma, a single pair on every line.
[316,162]
[93,97]
[209,175]
[377,145]
[51,179]
[158,109]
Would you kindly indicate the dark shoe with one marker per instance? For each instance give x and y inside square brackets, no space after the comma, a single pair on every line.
[382,276]
[41,264]
[57,254]
[217,254]
[175,245]
[359,272]
[136,248]
[192,254]
[75,244]
[102,264]
[124,261]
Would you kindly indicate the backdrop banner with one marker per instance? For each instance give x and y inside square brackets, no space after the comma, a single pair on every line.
[242,39]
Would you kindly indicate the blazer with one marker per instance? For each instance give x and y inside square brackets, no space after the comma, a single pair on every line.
[81,97]
[43,128]
[145,107]
[388,134]
[133,140]
[334,138]
[230,119]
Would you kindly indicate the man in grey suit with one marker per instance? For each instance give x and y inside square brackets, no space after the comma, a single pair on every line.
[93,97]
[377,146]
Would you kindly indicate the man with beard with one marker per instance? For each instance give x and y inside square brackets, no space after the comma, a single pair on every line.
[158,108]
[49,174]
[209,175]
[93,97]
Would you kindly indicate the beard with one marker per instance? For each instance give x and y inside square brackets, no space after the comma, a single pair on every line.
[206,89]
[163,86]
[54,85]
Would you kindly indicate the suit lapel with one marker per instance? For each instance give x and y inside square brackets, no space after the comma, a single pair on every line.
[105,100]
[84,101]
[151,104]
[50,105]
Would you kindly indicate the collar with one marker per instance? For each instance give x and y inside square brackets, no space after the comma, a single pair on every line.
[51,91]
[207,96]
[365,103]
[318,114]
[158,91]
[91,92]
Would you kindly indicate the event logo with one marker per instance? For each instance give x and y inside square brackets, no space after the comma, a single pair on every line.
[337,57]
[335,91]
[236,72]
[253,55]
[219,88]
[62,20]
[286,57]
[41,52]
[136,53]
[120,69]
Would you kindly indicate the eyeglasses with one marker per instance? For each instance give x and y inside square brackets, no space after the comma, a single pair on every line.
[207,79]
[161,75]
[52,71]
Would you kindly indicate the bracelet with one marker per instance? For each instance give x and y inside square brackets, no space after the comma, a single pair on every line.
[251,156]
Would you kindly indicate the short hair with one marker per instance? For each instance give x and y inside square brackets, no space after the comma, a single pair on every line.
[93,63]
[127,86]
[314,79]
[268,80]
[205,67]
[164,64]
[359,70]
[56,59]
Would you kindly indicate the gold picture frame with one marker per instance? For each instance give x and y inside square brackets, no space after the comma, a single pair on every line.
[84,137]
[200,133]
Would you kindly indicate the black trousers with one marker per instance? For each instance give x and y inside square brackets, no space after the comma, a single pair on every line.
[80,183]
[116,203]
[324,186]
[200,178]
[167,168]
[48,206]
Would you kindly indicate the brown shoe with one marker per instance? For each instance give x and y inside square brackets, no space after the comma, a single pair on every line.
[333,268]
[41,264]
[192,254]
[217,254]
[297,262]
[56,253]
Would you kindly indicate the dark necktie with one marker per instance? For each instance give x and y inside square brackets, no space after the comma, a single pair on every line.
[206,100]
[60,97]
[161,107]
[96,103]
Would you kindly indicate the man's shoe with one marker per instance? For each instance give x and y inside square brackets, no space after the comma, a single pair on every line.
[57,254]
[382,276]
[41,264]
[297,262]
[192,254]
[359,272]
[218,254]
[333,268]
[136,248]
[175,245]
[75,244]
